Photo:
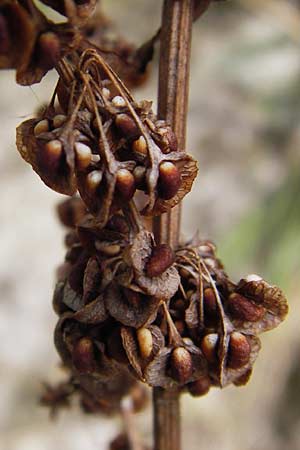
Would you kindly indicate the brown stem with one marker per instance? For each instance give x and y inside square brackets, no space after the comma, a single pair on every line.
[175,47]
[173,92]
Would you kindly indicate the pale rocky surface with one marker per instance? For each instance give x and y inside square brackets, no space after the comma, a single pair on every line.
[236,170]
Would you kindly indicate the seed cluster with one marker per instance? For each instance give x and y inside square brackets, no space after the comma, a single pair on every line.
[170,320]
[100,141]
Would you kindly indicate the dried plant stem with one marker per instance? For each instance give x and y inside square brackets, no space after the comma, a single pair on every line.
[176,33]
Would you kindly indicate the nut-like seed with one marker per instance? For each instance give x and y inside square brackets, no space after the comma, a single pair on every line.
[181,365]
[238,351]
[41,127]
[199,387]
[83,155]
[140,146]
[93,180]
[145,341]
[209,346]
[5,40]
[161,259]
[59,120]
[127,125]
[118,101]
[50,155]
[83,355]
[170,143]
[48,50]
[169,180]
[210,303]
[243,309]
[107,249]
[125,184]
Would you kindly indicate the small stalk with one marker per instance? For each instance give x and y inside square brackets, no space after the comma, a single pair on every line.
[175,48]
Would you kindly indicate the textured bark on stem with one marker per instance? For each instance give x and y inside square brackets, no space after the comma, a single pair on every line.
[175,47]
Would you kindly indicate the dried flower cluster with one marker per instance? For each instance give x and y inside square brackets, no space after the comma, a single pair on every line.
[129,306]
[130,310]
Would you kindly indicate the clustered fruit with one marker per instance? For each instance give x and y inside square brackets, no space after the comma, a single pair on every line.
[130,309]
[127,305]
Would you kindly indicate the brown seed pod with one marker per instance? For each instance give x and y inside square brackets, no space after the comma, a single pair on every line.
[243,309]
[169,180]
[161,259]
[210,303]
[238,351]
[199,387]
[181,365]
[83,356]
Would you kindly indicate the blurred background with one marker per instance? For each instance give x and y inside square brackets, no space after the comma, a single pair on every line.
[244,129]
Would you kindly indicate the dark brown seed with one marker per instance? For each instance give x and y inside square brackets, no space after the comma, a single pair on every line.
[125,184]
[83,355]
[181,365]
[161,259]
[243,309]
[199,387]
[127,125]
[169,180]
[48,50]
[210,303]
[238,351]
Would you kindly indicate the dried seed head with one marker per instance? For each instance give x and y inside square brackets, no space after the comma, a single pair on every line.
[133,298]
[169,180]
[243,309]
[209,346]
[238,351]
[41,127]
[93,180]
[107,248]
[125,184]
[59,120]
[140,146]
[48,50]
[145,341]
[83,155]
[83,355]
[199,387]
[161,259]
[127,125]
[118,101]
[181,365]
